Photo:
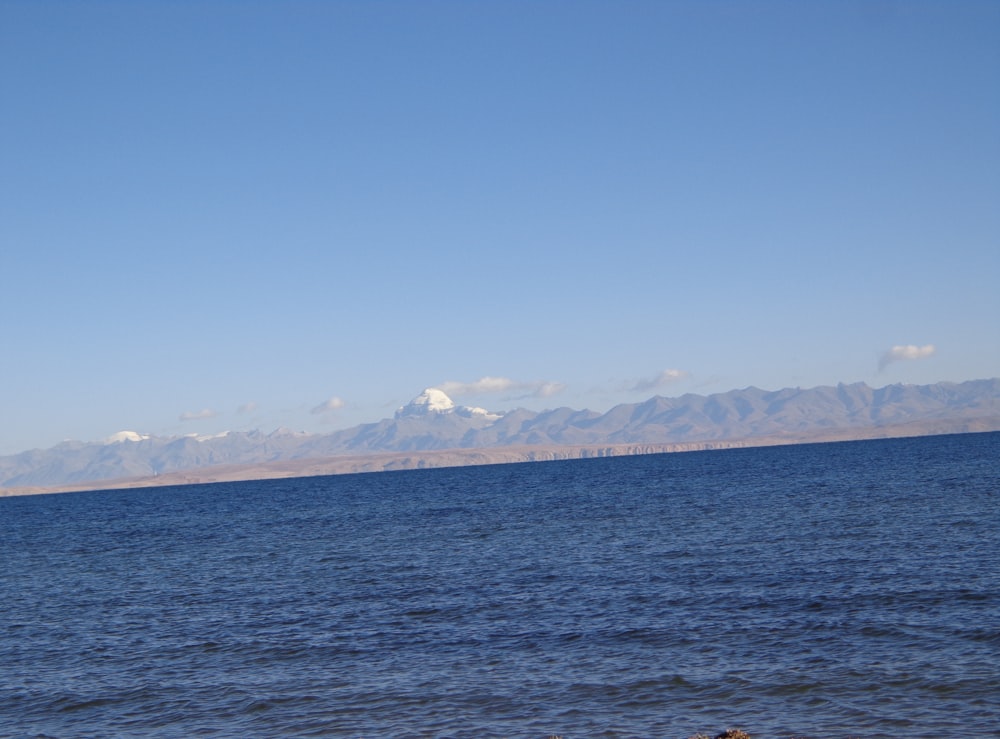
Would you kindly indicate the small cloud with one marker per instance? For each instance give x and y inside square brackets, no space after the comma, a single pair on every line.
[548,389]
[246,408]
[905,352]
[484,385]
[197,415]
[667,377]
[328,406]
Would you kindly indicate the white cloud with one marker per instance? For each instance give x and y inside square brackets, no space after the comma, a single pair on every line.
[484,385]
[548,389]
[905,352]
[328,406]
[667,377]
[197,415]
[247,408]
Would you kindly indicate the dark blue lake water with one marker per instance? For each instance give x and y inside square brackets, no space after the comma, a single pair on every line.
[827,590]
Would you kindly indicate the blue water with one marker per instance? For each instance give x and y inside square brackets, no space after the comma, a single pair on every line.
[826,590]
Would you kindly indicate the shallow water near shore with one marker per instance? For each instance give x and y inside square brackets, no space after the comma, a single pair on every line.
[827,590]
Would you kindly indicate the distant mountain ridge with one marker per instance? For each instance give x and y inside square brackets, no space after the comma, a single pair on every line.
[433,423]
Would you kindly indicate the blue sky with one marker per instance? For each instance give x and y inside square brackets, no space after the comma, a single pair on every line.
[234,215]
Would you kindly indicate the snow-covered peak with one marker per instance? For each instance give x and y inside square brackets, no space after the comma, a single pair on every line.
[125,436]
[429,401]
[432,402]
[206,437]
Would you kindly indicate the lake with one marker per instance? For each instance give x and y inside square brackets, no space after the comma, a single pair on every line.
[824,590]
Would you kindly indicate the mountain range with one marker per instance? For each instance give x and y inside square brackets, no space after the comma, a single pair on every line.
[432,431]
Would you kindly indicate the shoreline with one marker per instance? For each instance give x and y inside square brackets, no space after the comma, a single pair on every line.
[442,458]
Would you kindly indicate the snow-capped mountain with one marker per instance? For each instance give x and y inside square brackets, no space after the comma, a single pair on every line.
[432,401]
[429,401]
[125,436]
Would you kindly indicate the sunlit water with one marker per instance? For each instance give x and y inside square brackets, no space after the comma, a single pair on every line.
[827,590]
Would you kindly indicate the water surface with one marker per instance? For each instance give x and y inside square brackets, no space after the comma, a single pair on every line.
[827,590]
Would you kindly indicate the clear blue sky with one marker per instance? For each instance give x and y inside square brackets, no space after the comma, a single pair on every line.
[235,212]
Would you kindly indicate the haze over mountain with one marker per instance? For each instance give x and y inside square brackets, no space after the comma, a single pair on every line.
[432,423]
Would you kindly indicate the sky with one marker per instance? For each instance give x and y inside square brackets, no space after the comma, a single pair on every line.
[235,215]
